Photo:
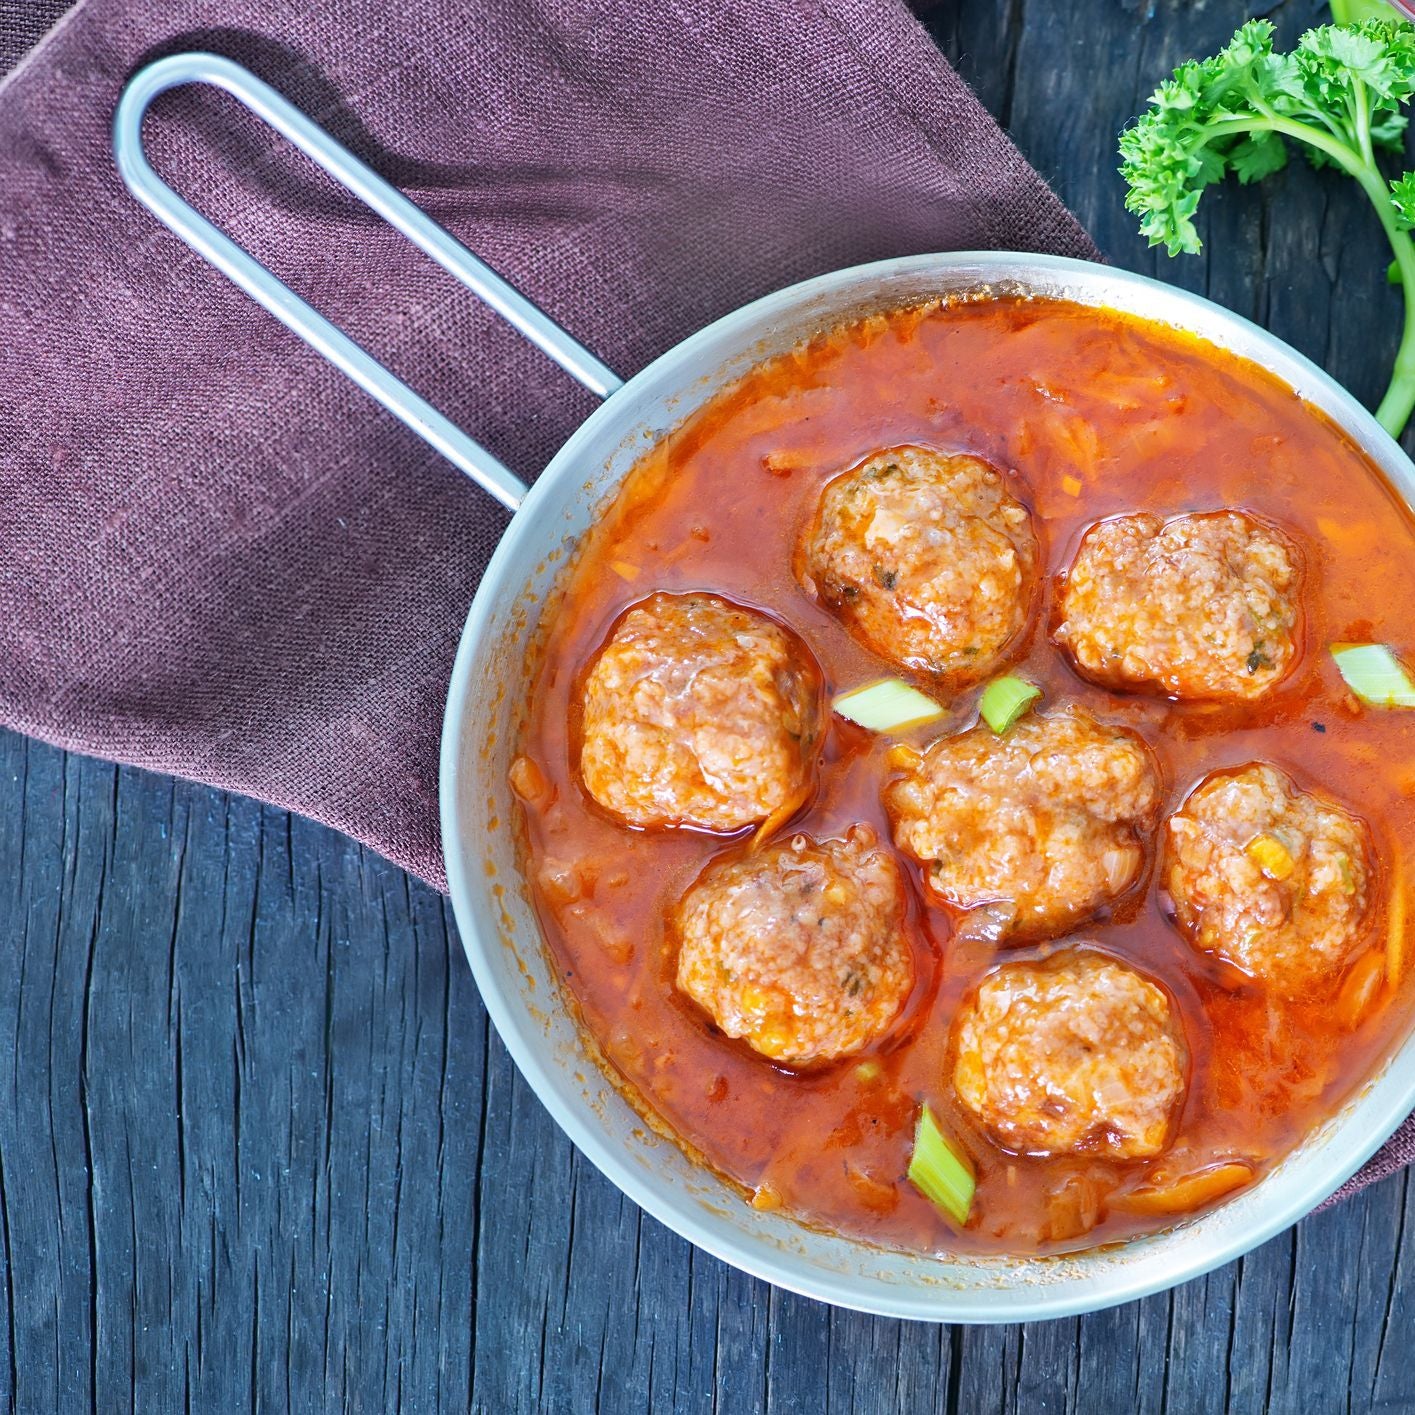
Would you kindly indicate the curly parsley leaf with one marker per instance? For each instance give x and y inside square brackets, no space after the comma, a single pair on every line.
[1402,197]
[1339,96]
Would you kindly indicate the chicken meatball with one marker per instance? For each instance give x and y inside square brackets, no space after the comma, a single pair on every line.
[700,713]
[1045,824]
[1201,606]
[800,949]
[1079,1053]
[927,560]
[1269,877]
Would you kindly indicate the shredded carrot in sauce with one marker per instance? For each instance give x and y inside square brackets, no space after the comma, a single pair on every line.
[1089,415]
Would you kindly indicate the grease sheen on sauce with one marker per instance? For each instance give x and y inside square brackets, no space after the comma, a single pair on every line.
[1145,419]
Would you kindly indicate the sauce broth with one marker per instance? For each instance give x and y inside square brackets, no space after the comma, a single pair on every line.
[1091,414]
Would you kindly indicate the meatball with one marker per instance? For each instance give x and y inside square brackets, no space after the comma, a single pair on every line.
[700,713]
[799,948]
[1079,1053]
[1269,877]
[1045,824]
[927,560]
[1198,607]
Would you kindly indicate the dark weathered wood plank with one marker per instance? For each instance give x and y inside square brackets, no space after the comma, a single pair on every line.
[245,1088]
[259,1150]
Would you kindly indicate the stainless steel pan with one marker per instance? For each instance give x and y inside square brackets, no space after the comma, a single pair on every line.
[497,923]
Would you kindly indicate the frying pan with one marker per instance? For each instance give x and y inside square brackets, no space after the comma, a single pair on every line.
[494,914]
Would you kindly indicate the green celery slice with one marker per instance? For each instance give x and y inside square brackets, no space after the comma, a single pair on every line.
[887,706]
[1004,700]
[1374,674]
[940,1171]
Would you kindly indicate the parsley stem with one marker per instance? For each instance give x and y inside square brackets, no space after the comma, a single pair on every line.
[1362,124]
[1343,154]
[1338,94]
[1398,402]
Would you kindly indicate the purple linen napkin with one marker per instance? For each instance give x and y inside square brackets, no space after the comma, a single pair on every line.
[217,558]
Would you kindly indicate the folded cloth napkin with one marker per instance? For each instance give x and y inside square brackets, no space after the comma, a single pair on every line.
[219,559]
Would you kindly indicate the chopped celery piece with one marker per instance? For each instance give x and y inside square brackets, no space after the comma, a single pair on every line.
[887,706]
[940,1171]
[1374,674]
[1004,700]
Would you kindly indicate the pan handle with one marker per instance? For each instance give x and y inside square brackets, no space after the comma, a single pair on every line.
[299,316]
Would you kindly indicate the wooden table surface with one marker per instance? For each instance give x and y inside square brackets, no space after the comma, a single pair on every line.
[259,1147]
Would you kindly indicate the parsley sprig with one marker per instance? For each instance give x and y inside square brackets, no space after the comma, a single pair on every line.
[1339,95]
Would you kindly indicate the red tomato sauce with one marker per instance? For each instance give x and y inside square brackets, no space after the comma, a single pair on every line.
[1091,414]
